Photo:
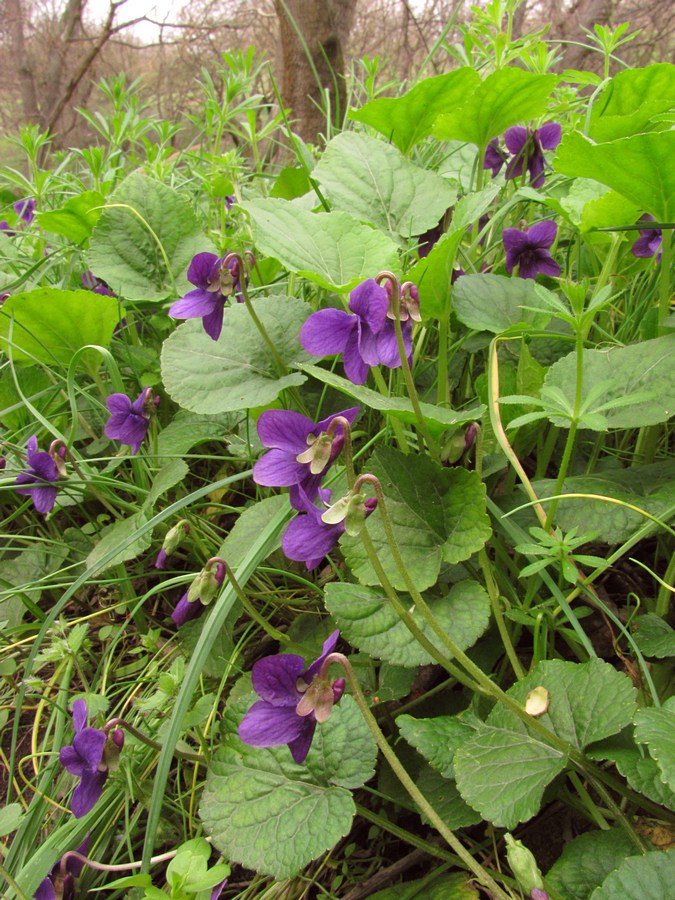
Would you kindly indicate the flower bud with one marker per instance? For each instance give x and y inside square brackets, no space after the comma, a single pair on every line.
[523,865]
[174,538]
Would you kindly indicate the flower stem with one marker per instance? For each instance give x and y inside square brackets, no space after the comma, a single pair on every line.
[148,741]
[664,276]
[493,594]
[249,306]
[418,798]
[250,609]
[396,424]
[405,366]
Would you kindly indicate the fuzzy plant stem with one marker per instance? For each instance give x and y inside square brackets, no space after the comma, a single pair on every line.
[248,606]
[405,366]
[243,267]
[482,876]
[144,739]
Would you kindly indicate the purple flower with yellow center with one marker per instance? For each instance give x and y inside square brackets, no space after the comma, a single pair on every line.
[89,757]
[215,281]
[300,451]
[365,337]
[309,537]
[60,883]
[649,242]
[39,480]
[494,157]
[129,422]
[528,250]
[527,150]
[200,593]
[294,699]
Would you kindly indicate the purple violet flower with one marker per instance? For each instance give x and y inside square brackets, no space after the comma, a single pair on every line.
[129,422]
[301,451]
[649,242]
[97,285]
[527,150]
[365,337]
[89,757]
[39,479]
[529,250]
[494,157]
[25,209]
[307,537]
[200,593]
[294,699]
[59,885]
[214,282]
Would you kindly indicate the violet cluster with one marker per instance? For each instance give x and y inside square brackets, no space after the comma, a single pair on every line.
[294,699]
[366,336]
[215,279]
[299,455]
[524,152]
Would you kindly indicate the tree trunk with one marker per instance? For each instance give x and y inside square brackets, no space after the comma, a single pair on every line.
[313,34]
[15,21]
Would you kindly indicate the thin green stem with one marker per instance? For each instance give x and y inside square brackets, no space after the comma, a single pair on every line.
[664,597]
[148,741]
[281,365]
[442,393]
[396,424]
[587,801]
[664,276]
[434,449]
[572,433]
[250,609]
[493,594]
[416,795]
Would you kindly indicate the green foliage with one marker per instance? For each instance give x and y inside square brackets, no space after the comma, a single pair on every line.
[649,877]
[408,119]
[438,515]
[144,240]
[371,181]
[368,620]
[496,303]
[238,370]
[268,813]
[587,860]
[332,250]
[506,97]
[637,167]
[49,325]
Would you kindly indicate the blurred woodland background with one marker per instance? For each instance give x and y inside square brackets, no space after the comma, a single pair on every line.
[55,53]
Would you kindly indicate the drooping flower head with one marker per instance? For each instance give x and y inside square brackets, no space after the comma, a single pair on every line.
[215,281]
[89,757]
[529,250]
[39,480]
[60,883]
[309,537]
[649,242]
[366,337]
[300,451]
[174,538]
[129,422]
[200,593]
[294,699]
[527,150]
